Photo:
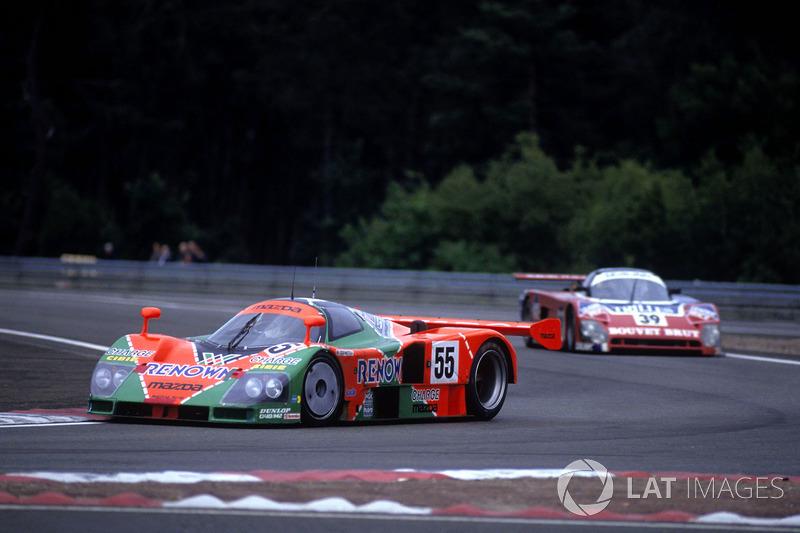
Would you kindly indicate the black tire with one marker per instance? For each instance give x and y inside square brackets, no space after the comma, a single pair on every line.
[322,391]
[488,381]
[569,341]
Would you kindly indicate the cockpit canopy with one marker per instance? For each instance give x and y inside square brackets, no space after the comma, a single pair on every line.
[281,321]
[629,285]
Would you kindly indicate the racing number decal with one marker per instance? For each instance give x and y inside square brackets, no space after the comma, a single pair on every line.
[444,367]
[643,319]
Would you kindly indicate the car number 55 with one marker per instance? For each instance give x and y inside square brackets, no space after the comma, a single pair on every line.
[444,368]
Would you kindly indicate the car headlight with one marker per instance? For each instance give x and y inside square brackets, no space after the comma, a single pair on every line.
[107,378]
[711,335]
[273,388]
[257,387]
[593,331]
[253,387]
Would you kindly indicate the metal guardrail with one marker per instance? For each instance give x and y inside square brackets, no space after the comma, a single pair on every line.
[738,301]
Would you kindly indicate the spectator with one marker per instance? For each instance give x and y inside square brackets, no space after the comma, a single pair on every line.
[190,252]
[183,252]
[155,255]
[196,253]
[108,251]
[165,254]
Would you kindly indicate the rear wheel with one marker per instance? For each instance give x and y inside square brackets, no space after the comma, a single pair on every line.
[322,391]
[569,341]
[488,382]
[527,316]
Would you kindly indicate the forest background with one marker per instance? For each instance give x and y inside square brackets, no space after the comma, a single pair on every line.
[491,136]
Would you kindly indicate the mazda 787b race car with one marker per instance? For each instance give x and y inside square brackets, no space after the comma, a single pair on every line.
[314,361]
[623,310]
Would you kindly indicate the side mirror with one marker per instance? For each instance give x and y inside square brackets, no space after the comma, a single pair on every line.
[312,322]
[147,314]
[579,288]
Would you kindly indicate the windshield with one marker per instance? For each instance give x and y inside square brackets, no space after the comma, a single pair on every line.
[257,330]
[630,288]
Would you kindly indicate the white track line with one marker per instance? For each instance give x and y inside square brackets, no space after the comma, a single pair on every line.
[762,359]
[105,348]
[48,424]
[50,338]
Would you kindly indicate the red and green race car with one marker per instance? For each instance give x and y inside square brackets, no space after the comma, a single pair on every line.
[623,310]
[314,361]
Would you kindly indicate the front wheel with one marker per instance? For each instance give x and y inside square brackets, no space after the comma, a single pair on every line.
[322,391]
[488,382]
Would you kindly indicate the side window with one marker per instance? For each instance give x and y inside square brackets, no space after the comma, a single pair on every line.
[341,322]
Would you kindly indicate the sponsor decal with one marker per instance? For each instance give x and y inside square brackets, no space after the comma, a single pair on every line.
[129,353]
[187,371]
[655,332]
[591,347]
[291,416]
[349,393]
[277,307]
[444,363]
[193,387]
[592,309]
[275,360]
[371,371]
[424,408]
[168,399]
[368,407]
[270,413]
[210,358]
[382,326]
[703,312]
[269,367]
[425,395]
[645,309]
[121,359]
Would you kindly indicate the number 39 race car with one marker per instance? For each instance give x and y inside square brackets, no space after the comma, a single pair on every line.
[314,361]
[623,310]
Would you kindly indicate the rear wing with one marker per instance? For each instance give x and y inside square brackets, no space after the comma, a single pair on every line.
[546,332]
[552,277]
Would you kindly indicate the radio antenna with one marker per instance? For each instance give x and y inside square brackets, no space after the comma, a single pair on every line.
[294,273]
[314,288]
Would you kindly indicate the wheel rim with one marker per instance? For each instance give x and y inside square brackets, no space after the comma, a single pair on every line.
[321,389]
[490,380]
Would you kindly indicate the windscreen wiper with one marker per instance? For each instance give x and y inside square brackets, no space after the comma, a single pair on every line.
[242,333]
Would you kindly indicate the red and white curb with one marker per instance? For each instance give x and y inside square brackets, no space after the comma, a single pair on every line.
[341,505]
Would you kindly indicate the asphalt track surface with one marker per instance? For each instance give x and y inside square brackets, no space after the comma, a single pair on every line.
[630,413]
